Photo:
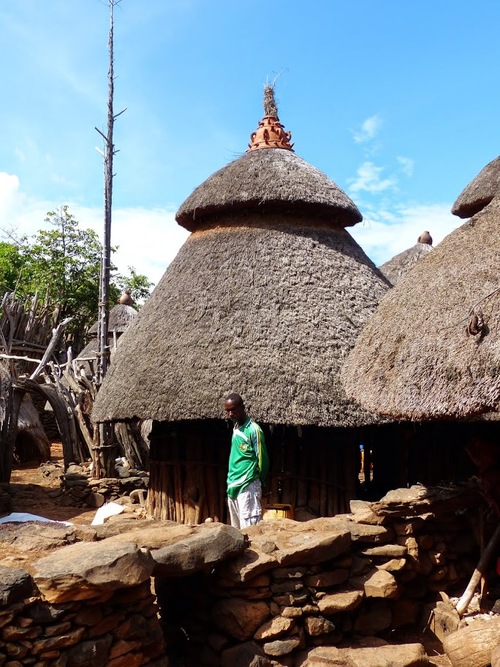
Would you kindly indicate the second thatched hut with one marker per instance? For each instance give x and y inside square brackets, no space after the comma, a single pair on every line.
[431,351]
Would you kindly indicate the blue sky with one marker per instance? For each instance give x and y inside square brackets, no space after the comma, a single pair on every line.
[397,101]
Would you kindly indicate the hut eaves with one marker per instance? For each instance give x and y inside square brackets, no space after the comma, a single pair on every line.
[480,191]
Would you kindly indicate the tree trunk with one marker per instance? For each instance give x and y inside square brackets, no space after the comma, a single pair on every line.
[472,646]
[8,431]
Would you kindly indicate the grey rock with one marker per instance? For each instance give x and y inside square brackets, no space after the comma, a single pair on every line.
[208,545]
[15,584]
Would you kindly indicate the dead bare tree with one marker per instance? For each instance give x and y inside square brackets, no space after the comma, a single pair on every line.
[103,440]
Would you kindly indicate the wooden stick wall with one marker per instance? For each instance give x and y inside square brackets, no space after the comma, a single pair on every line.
[315,469]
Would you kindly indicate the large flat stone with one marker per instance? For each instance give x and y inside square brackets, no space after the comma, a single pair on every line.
[178,549]
[85,570]
[208,545]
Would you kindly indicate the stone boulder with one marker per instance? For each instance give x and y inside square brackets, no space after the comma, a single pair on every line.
[15,584]
[177,549]
[371,652]
[239,618]
[87,570]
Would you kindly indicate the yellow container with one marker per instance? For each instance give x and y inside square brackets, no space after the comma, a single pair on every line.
[278,511]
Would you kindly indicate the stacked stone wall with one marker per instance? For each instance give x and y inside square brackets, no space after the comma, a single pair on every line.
[327,582]
[119,629]
[283,590]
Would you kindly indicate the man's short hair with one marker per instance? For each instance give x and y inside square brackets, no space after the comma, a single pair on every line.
[234,397]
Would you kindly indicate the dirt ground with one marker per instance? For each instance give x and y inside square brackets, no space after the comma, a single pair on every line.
[35,493]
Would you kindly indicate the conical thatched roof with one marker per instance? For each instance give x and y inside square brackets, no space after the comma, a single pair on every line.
[479,192]
[120,316]
[266,297]
[400,264]
[269,180]
[432,348]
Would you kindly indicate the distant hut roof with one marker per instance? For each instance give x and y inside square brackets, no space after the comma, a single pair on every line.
[266,297]
[432,348]
[400,264]
[120,317]
[479,192]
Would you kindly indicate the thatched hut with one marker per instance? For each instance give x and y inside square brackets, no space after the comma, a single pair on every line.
[120,316]
[266,297]
[431,351]
[397,267]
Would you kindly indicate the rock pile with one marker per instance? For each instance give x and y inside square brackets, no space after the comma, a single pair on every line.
[333,581]
[79,489]
[90,603]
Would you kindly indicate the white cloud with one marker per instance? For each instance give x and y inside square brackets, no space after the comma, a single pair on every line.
[368,130]
[386,233]
[147,239]
[369,179]
[407,165]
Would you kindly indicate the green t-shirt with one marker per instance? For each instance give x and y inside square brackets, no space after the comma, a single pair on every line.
[248,458]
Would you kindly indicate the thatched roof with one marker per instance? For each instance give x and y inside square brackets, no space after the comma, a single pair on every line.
[269,310]
[272,180]
[120,317]
[400,264]
[479,192]
[432,348]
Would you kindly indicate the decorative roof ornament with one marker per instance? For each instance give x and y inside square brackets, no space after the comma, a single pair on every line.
[270,133]
[425,237]
[126,298]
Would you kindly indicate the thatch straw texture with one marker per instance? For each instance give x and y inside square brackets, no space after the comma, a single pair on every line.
[415,359]
[400,264]
[269,180]
[120,317]
[269,309]
[479,192]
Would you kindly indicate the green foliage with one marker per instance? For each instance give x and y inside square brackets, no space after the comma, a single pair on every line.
[62,264]
[11,262]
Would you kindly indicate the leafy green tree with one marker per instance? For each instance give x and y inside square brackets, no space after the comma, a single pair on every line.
[11,263]
[62,264]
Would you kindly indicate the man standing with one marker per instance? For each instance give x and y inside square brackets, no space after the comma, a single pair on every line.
[248,466]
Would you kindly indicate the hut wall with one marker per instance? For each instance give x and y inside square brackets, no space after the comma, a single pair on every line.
[316,471]
[312,469]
